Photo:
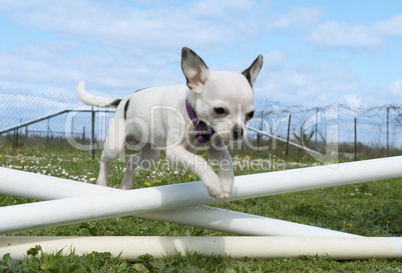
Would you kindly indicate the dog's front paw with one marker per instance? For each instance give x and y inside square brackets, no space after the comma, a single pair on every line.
[216,192]
[213,185]
[227,186]
[224,196]
[219,195]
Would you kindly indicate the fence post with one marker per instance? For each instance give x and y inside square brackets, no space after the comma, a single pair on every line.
[258,135]
[93,134]
[15,139]
[388,131]
[355,139]
[287,140]
[83,135]
[316,125]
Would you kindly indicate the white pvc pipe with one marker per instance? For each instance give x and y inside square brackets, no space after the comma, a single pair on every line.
[87,208]
[284,140]
[43,187]
[129,248]
[241,223]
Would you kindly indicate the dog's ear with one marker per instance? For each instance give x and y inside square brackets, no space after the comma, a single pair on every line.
[194,69]
[252,72]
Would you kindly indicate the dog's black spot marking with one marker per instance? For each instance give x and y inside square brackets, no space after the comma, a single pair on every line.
[126,107]
[115,103]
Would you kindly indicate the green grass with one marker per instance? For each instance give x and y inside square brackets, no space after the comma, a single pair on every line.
[368,209]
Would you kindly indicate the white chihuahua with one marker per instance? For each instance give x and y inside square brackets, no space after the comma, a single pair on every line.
[212,108]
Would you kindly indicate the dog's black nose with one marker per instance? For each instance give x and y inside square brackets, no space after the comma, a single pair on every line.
[238,133]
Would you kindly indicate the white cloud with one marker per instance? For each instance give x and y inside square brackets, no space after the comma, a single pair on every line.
[206,23]
[390,27]
[115,46]
[297,16]
[212,8]
[275,59]
[309,86]
[103,72]
[353,101]
[396,88]
[128,27]
[335,34]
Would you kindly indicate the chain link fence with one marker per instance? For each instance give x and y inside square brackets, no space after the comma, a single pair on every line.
[361,132]
[28,119]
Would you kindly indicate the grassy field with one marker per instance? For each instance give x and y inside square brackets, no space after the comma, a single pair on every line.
[369,209]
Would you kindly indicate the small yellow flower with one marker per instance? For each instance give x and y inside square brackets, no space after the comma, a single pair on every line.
[1,155]
[22,161]
[157,181]
[387,221]
[351,225]
[190,176]
[147,184]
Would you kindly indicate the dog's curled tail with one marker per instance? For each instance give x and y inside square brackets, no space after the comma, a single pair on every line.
[93,100]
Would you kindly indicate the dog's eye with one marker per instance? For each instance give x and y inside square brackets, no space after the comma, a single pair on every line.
[219,110]
[250,115]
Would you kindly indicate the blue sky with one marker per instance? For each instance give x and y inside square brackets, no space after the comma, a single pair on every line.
[316,53]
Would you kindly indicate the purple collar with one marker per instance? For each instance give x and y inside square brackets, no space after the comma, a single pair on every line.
[201,136]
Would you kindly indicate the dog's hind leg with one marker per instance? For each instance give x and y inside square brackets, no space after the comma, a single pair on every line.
[114,146]
[104,169]
[145,158]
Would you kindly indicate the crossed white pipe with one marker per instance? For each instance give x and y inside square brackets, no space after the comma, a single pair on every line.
[79,202]
[97,204]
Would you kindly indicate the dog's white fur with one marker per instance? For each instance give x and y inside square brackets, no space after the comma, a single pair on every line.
[156,118]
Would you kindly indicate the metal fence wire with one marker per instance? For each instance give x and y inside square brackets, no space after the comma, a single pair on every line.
[33,119]
[353,129]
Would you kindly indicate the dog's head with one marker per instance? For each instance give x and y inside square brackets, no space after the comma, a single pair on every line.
[224,100]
